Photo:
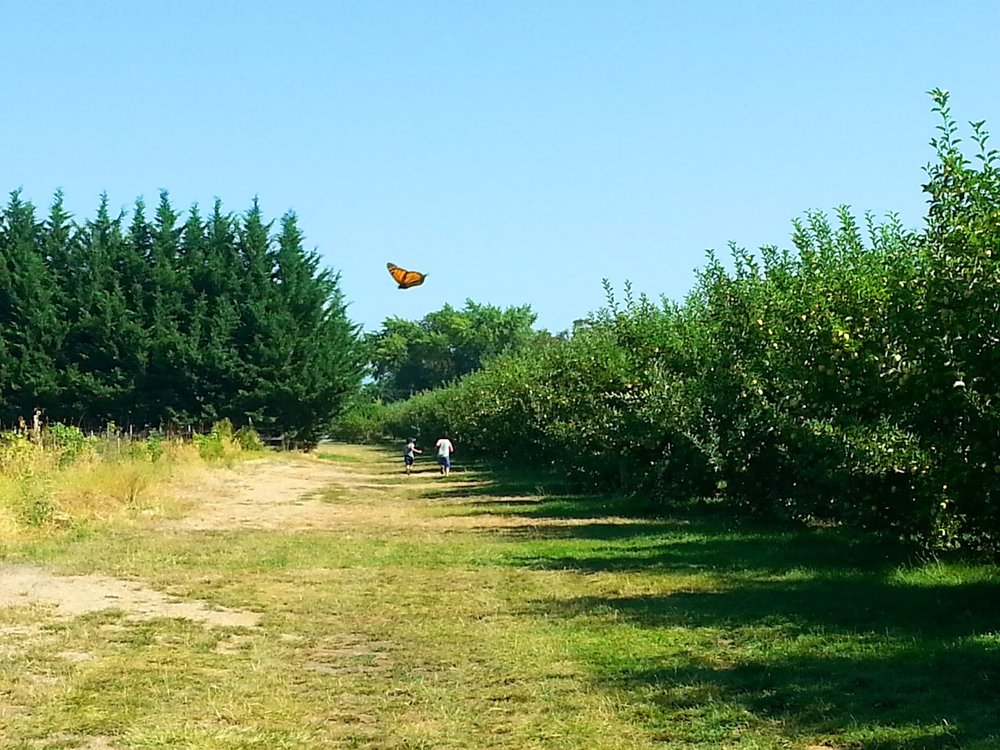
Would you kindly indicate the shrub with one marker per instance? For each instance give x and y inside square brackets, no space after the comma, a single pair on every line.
[209,446]
[248,439]
[154,445]
[223,442]
[68,440]
[365,422]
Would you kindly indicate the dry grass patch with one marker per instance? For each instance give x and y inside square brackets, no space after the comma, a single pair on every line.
[40,496]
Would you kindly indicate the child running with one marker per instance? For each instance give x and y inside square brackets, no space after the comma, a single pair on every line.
[444,449]
[408,451]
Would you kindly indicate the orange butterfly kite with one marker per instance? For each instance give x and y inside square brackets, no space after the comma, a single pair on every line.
[405,278]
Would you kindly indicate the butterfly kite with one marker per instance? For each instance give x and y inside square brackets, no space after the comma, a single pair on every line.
[405,278]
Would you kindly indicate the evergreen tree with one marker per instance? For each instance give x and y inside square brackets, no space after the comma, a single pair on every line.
[255,334]
[192,314]
[60,243]
[216,282]
[30,323]
[317,360]
[103,352]
[59,238]
[167,386]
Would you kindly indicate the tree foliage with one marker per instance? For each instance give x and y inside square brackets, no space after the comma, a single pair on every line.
[170,320]
[408,357]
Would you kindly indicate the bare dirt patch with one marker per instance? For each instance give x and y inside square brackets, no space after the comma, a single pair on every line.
[260,495]
[72,596]
[66,739]
[351,653]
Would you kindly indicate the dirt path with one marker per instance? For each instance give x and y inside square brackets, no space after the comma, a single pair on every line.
[264,494]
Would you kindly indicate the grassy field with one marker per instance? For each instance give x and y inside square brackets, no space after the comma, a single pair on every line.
[492,610]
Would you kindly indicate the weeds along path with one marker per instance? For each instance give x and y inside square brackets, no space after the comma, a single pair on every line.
[323,602]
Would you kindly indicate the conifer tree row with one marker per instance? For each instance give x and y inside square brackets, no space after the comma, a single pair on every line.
[167,320]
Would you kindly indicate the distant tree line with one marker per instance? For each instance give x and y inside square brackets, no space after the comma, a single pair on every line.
[411,356]
[172,320]
[408,357]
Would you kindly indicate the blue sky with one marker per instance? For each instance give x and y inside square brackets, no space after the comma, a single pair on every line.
[517,152]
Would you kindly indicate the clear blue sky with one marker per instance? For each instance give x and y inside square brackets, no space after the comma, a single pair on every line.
[517,152]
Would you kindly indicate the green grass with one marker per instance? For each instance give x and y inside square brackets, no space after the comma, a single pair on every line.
[328,454]
[500,611]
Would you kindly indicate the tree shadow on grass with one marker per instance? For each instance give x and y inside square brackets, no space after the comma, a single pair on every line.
[825,654]
[688,543]
[855,604]
[473,485]
[478,496]
[538,496]
[695,534]
[926,697]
